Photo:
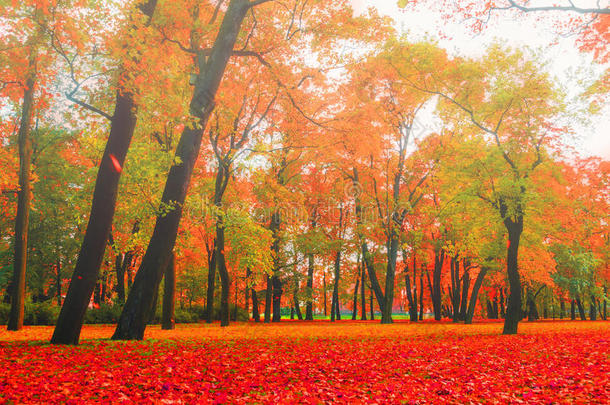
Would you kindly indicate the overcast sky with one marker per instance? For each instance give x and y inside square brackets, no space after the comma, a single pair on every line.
[565,61]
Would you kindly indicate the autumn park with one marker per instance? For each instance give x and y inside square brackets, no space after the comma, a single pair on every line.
[304,201]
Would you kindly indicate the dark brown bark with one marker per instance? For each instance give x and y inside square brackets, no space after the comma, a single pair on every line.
[581,309]
[86,271]
[169,293]
[276,222]
[211,285]
[435,284]
[465,290]
[421,294]
[24,197]
[334,306]
[475,293]
[295,298]
[355,299]
[225,281]
[455,288]
[593,309]
[362,293]
[513,308]
[309,304]
[268,297]
[58,281]
[255,314]
[132,323]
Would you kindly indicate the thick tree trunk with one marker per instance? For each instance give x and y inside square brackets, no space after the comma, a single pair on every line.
[132,322]
[309,304]
[169,292]
[411,301]
[593,309]
[86,271]
[274,226]
[581,309]
[573,310]
[24,197]
[513,309]
[474,295]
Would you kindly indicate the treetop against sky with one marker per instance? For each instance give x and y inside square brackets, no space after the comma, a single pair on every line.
[552,34]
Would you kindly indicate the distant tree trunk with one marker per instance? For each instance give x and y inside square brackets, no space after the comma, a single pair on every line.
[573,310]
[324,292]
[268,297]
[475,293]
[562,310]
[605,302]
[24,197]
[581,309]
[211,285]
[421,294]
[371,302]
[593,309]
[276,222]
[255,314]
[502,303]
[309,304]
[297,304]
[465,288]
[247,292]
[435,285]
[366,257]
[86,271]
[334,306]
[169,292]
[104,292]
[132,324]
[355,299]
[362,293]
[455,288]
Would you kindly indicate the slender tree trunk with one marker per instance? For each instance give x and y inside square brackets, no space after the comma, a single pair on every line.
[455,288]
[605,303]
[276,222]
[362,293]
[268,297]
[386,313]
[593,309]
[473,297]
[324,292]
[513,309]
[309,304]
[132,322]
[225,280]
[334,307]
[169,292]
[24,197]
[465,288]
[212,264]
[255,314]
[371,303]
[435,284]
[297,304]
[562,308]
[573,310]
[355,298]
[421,294]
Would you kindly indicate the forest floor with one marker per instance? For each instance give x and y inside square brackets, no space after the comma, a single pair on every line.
[548,362]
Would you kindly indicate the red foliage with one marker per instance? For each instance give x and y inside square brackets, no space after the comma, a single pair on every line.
[313,363]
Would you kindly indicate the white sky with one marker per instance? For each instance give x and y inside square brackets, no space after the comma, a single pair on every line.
[565,61]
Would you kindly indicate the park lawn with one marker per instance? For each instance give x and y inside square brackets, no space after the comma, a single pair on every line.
[548,362]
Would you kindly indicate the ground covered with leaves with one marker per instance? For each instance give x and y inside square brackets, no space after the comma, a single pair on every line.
[547,362]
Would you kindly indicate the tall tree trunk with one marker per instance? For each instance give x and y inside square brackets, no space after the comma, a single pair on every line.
[309,304]
[386,313]
[371,303]
[86,271]
[324,292]
[24,197]
[573,310]
[295,297]
[455,288]
[132,322]
[562,308]
[212,264]
[366,257]
[421,294]
[513,309]
[473,296]
[169,292]
[225,281]
[593,309]
[605,303]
